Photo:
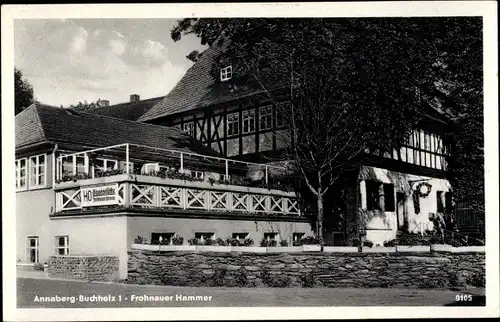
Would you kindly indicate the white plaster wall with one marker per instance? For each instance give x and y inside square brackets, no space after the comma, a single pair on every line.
[382,226]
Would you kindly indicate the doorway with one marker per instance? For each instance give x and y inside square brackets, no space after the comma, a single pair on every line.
[401,211]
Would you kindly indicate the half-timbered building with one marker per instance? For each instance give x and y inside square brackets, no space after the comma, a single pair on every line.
[239,121]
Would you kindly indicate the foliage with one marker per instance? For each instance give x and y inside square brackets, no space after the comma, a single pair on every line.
[140,240]
[365,67]
[310,240]
[23,92]
[84,106]
[233,242]
[390,243]
[209,242]
[284,243]
[219,276]
[478,279]
[308,279]
[221,242]
[165,241]
[193,241]
[274,280]
[367,243]
[39,267]
[268,243]
[248,242]
[411,239]
[177,240]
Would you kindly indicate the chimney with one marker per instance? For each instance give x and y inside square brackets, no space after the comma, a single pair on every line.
[104,103]
[134,98]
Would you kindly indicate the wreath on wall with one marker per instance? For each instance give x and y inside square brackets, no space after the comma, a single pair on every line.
[422,190]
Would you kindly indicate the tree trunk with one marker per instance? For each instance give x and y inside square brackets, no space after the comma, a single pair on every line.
[320,218]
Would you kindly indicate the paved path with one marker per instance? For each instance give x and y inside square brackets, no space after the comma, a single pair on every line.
[123,295]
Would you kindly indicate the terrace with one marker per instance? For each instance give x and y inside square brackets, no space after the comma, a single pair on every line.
[134,176]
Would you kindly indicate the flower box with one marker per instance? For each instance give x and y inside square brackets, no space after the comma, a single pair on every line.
[441,248]
[311,248]
[413,248]
[213,248]
[340,249]
[285,249]
[378,249]
[468,249]
[249,249]
[164,248]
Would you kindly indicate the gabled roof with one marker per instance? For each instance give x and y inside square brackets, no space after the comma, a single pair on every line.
[128,111]
[48,124]
[198,89]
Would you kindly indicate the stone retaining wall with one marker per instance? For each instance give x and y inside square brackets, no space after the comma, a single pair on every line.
[91,268]
[427,270]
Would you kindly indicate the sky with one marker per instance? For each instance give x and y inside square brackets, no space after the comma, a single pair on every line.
[72,60]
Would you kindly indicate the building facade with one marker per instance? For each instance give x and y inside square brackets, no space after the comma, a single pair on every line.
[242,123]
[89,184]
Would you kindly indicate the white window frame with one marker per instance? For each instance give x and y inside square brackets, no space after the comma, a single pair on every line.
[276,236]
[188,128]
[104,165]
[198,174]
[18,174]
[248,117]
[266,117]
[234,120]
[65,246]
[74,164]
[212,235]
[240,236]
[226,73]
[37,171]
[29,247]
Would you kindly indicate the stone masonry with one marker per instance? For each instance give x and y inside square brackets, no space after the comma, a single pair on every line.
[427,270]
[91,268]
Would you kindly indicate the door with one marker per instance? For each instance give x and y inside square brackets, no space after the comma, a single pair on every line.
[401,210]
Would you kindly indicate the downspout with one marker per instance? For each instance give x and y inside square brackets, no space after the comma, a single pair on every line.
[54,165]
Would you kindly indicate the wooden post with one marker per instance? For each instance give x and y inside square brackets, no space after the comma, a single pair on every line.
[182,163]
[227,170]
[127,158]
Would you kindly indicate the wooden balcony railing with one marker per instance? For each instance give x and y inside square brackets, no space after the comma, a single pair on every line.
[137,191]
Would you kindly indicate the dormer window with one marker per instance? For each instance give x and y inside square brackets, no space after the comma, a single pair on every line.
[226,73]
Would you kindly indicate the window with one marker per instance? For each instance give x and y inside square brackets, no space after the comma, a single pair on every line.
[280,114]
[240,236]
[198,174]
[32,249]
[164,238]
[61,245]
[37,171]
[105,164]
[248,121]
[448,199]
[297,236]
[266,117]
[204,236]
[389,197]
[271,236]
[440,201]
[188,128]
[21,174]
[233,124]
[80,164]
[372,195]
[226,73]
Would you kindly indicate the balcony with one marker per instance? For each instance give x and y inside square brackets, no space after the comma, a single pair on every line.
[146,178]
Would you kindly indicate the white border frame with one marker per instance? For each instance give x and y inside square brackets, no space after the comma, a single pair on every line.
[486,9]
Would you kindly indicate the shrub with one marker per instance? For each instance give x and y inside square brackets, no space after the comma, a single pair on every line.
[477,279]
[248,242]
[193,241]
[274,280]
[368,243]
[390,243]
[310,240]
[220,242]
[140,240]
[165,241]
[177,240]
[241,278]
[297,242]
[218,277]
[233,242]
[209,242]
[38,267]
[284,243]
[272,243]
[268,243]
[308,279]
